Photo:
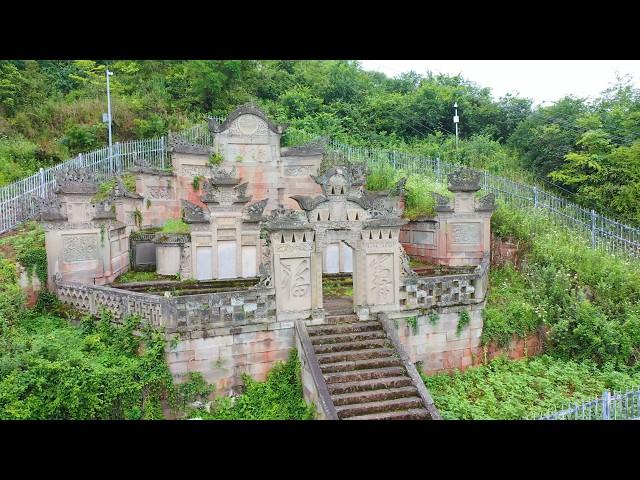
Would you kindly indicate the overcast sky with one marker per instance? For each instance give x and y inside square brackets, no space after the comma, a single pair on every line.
[541,80]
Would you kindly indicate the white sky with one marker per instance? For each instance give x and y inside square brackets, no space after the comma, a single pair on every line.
[543,81]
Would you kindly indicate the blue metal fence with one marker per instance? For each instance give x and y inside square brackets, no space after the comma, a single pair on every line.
[609,406]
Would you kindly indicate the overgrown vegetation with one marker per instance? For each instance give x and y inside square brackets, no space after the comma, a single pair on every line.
[27,245]
[505,389]
[106,188]
[174,225]
[278,398]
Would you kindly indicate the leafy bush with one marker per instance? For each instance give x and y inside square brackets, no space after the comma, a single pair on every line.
[52,370]
[174,225]
[278,398]
[28,244]
[106,188]
[508,390]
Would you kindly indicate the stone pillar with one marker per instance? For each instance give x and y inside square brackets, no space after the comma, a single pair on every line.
[296,267]
[376,269]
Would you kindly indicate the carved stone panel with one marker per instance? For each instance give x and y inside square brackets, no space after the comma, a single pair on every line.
[379,279]
[80,248]
[294,283]
[465,233]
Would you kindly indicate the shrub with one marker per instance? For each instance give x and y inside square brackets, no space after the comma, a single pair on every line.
[174,225]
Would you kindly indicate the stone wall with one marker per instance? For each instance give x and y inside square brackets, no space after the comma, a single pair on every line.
[437,345]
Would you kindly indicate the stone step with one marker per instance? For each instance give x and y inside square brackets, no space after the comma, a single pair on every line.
[411,414]
[347,337]
[350,366]
[341,317]
[353,355]
[367,385]
[328,329]
[346,346]
[363,375]
[346,411]
[380,395]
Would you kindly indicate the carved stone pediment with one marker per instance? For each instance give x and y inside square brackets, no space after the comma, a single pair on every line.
[192,213]
[248,110]
[75,181]
[224,193]
[464,180]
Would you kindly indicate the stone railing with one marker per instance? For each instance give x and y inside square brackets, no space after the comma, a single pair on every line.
[314,386]
[445,290]
[192,316]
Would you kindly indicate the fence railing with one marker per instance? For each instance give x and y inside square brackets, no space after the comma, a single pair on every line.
[609,406]
[608,234]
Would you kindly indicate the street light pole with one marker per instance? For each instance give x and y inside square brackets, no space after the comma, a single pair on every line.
[108,74]
[456,119]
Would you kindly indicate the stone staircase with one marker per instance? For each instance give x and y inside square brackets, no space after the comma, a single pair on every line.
[365,376]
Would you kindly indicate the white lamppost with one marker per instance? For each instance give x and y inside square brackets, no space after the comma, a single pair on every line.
[456,120]
[107,117]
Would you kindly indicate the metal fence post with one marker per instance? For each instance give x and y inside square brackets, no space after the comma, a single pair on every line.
[438,169]
[41,182]
[163,151]
[606,405]
[118,158]
[535,197]
[593,229]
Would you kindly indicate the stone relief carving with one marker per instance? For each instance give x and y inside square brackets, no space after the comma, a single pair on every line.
[381,277]
[284,218]
[465,233]
[185,261]
[80,248]
[195,170]
[296,277]
[248,109]
[265,268]
[160,192]
[298,171]
[405,268]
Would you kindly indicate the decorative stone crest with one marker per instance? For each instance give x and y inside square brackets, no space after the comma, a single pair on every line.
[247,125]
[179,144]
[464,180]
[341,180]
[224,177]
[286,219]
[405,269]
[75,181]
[192,213]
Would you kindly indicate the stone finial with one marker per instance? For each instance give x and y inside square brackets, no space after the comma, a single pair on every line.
[398,188]
[464,180]
[192,213]
[342,180]
[406,271]
[442,203]
[76,181]
[241,193]
[309,203]
[254,211]
[486,203]
[48,209]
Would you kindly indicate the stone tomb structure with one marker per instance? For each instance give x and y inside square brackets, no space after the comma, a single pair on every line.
[270,216]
